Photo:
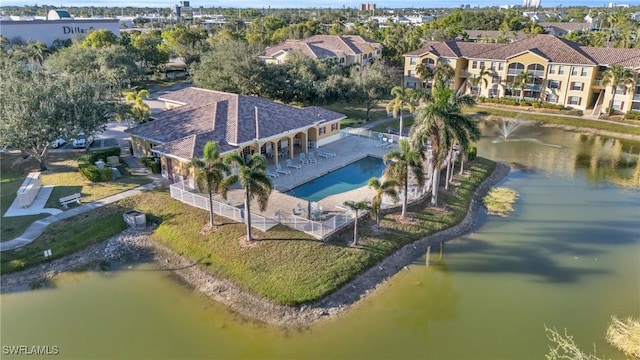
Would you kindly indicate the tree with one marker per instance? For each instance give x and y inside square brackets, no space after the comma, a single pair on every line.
[481,78]
[210,173]
[438,125]
[402,98]
[388,188]
[37,107]
[149,50]
[425,72]
[400,164]
[521,81]
[356,206]
[140,111]
[252,175]
[372,83]
[616,76]
[187,43]
[443,72]
[100,38]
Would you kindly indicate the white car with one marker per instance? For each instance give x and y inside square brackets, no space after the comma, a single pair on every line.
[79,143]
[57,143]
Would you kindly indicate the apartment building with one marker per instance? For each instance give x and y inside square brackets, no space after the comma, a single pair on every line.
[346,49]
[563,72]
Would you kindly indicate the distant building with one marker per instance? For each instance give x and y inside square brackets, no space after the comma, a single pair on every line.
[367,7]
[531,3]
[58,26]
[345,49]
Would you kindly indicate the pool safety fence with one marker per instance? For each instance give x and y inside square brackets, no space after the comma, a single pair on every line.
[185,192]
[369,134]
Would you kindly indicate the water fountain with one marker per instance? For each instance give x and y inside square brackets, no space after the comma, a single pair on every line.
[508,127]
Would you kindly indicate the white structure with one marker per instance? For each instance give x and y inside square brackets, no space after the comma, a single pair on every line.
[48,31]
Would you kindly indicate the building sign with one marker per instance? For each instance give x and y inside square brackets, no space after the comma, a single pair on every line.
[76,30]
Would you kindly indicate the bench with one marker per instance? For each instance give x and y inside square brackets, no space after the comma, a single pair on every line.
[65,200]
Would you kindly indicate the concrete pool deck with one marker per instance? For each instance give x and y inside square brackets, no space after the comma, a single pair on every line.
[347,150]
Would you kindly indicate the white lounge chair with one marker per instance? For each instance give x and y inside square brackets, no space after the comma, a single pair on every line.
[382,142]
[321,154]
[303,158]
[292,165]
[326,153]
[272,174]
[280,170]
[312,158]
[389,144]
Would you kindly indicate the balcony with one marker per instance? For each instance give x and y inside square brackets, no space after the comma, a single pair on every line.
[514,72]
[597,83]
[636,97]
[464,74]
[537,73]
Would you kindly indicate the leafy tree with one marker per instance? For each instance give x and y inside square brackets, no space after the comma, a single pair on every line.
[37,107]
[402,98]
[149,50]
[100,38]
[187,43]
[210,173]
[371,84]
[388,188]
[252,175]
[616,75]
[521,81]
[443,72]
[139,110]
[356,207]
[400,164]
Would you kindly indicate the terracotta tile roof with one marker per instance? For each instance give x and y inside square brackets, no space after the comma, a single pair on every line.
[324,46]
[480,35]
[564,27]
[550,47]
[229,119]
[610,56]
[453,49]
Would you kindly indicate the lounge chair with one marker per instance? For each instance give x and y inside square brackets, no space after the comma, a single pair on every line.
[312,158]
[389,144]
[272,174]
[327,153]
[303,158]
[382,142]
[280,170]
[324,155]
[292,165]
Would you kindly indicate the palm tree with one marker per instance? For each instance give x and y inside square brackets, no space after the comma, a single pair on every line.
[439,125]
[616,75]
[140,111]
[425,72]
[443,72]
[521,81]
[210,172]
[481,78]
[356,206]
[401,163]
[387,187]
[401,100]
[252,175]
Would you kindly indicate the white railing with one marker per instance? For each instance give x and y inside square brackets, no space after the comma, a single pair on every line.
[368,134]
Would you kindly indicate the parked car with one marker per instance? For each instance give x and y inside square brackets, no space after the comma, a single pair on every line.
[79,143]
[57,143]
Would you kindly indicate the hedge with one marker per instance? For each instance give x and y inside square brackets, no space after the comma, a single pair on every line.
[632,115]
[88,169]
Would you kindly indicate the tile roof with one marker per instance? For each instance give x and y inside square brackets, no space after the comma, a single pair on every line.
[229,119]
[453,48]
[610,56]
[324,46]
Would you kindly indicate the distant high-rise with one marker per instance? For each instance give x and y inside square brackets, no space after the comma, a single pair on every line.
[367,7]
[531,3]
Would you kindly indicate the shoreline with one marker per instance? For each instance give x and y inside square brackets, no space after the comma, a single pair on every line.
[131,245]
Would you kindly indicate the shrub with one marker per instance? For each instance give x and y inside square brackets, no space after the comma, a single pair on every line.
[473,153]
[88,169]
[632,115]
[155,167]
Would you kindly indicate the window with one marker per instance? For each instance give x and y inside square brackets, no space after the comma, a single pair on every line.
[341,60]
[515,69]
[411,73]
[493,92]
[552,98]
[474,64]
[560,70]
[621,90]
[322,130]
[583,72]
[554,84]
[574,70]
[576,86]
[574,100]
[552,69]
[500,66]
[334,127]
[481,64]
[495,79]
[412,61]
[493,66]
[618,105]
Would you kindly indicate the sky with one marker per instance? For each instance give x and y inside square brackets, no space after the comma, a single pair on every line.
[315,3]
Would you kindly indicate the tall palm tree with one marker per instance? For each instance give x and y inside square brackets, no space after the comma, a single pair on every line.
[425,72]
[400,164]
[402,98]
[521,81]
[140,111]
[210,172]
[252,175]
[439,125]
[356,206]
[480,79]
[387,187]
[443,72]
[616,75]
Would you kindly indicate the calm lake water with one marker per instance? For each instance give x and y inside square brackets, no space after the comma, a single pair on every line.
[568,257]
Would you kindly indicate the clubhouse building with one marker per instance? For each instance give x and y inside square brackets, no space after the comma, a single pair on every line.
[244,124]
[563,72]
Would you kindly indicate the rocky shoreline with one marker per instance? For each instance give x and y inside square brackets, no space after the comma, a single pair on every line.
[132,245]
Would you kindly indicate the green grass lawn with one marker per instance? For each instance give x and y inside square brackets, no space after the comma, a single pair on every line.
[407,121]
[357,114]
[63,174]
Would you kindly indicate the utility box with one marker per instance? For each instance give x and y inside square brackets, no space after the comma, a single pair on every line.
[135,219]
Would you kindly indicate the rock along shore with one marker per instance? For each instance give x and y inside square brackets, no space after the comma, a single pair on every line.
[131,245]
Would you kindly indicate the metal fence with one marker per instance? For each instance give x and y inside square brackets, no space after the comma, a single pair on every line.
[368,134]
[185,192]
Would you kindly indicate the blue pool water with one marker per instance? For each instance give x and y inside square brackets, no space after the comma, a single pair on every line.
[349,177]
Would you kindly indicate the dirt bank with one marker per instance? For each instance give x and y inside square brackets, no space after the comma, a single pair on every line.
[131,245]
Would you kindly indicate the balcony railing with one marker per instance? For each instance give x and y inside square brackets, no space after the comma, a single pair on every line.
[464,73]
[597,82]
[537,73]
[514,72]
[636,97]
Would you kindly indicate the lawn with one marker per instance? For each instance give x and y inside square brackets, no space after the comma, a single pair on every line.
[357,114]
[63,174]
[407,121]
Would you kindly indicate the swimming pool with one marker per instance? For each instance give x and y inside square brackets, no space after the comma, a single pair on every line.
[348,177]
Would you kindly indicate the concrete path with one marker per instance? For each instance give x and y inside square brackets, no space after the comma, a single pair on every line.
[36,207]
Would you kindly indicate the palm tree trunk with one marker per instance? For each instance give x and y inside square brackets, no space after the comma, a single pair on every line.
[434,189]
[401,124]
[211,208]
[461,164]
[247,214]
[613,97]
[355,230]
[405,191]
[449,159]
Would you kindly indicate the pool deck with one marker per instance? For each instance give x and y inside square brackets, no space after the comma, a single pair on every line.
[347,150]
